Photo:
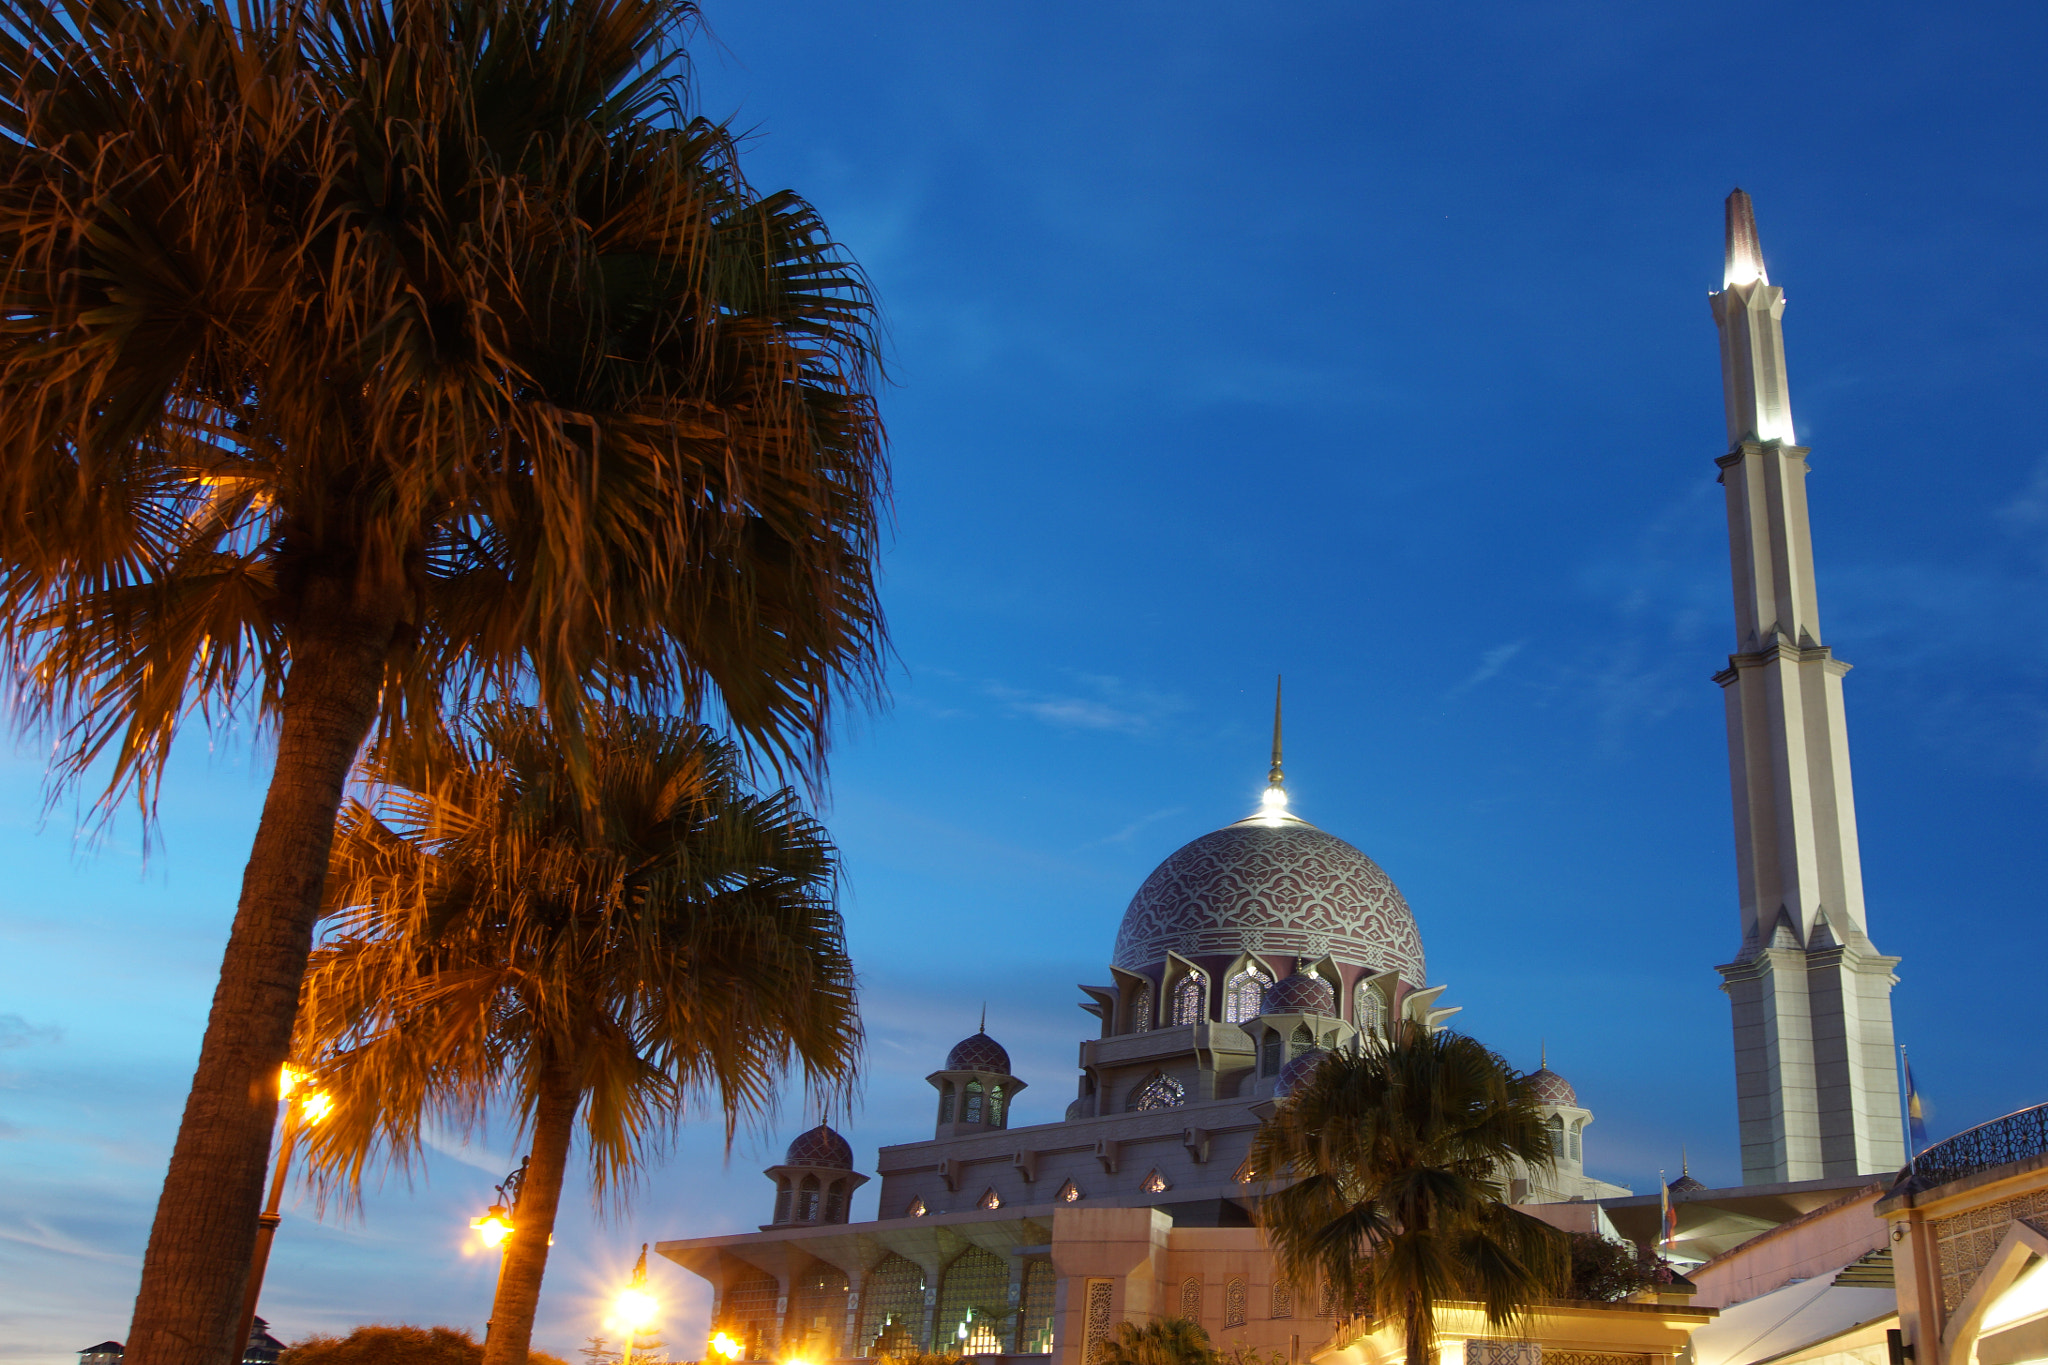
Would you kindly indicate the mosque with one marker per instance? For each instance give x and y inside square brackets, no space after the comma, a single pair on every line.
[1251,953]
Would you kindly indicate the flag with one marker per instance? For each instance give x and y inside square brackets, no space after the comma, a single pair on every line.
[1916,1117]
[1669,1222]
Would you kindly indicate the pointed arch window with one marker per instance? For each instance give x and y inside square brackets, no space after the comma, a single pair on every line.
[835,1202]
[1241,995]
[970,1108]
[807,1200]
[1302,1040]
[1191,999]
[995,1106]
[945,1102]
[1369,1010]
[1141,1008]
[782,1199]
[1160,1091]
[1576,1128]
[1556,1127]
[1269,1054]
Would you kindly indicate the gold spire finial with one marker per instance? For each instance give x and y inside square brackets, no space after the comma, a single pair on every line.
[1273,778]
[1543,1054]
[984,1018]
[1745,259]
[1684,1161]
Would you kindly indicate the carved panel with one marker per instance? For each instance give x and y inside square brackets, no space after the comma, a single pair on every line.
[1283,1299]
[1191,1299]
[1965,1241]
[1100,1294]
[1234,1304]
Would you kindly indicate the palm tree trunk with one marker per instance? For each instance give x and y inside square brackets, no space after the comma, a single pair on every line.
[533,1222]
[1421,1333]
[196,1270]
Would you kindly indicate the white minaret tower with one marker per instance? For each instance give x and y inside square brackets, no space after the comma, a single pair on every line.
[1815,1076]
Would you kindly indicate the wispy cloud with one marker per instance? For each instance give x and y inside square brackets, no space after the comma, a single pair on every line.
[1114,705]
[1124,835]
[1490,664]
[16,1031]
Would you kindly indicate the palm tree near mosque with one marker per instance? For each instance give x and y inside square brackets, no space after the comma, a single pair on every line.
[1383,1181]
[608,955]
[362,358]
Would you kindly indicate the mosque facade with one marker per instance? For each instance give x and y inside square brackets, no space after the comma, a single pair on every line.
[1251,953]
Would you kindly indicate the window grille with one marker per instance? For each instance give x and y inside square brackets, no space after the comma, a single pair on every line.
[1576,1127]
[974,1299]
[1141,1008]
[1034,1330]
[1369,1010]
[817,1316]
[1241,996]
[1283,1299]
[807,1200]
[782,1199]
[749,1313]
[1269,1055]
[835,1202]
[995,1106]
[1160,1092]
[1556,1127]
[970,1111]
[1191,1299]
[1191,999]
[1302,1040]
[892,1308]
[1234,1304]
[945,1102]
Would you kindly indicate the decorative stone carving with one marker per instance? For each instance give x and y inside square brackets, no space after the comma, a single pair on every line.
[1100,1296]
[1234,1304]
[1191,1299]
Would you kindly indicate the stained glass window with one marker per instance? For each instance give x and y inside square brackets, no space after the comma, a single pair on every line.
[1159,1092]
[974,1298]
[995,1106]
[1369,1010]
[970,1110]
[1191,999]
[1241,996]
[892,1308]
[1034,1331]
[1141,1008]
[817,1313]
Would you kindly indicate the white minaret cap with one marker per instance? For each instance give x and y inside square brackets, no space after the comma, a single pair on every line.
[1750,312]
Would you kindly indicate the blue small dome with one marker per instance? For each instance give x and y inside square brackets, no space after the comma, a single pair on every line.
[820,1147]
[1299,994]
[1296,1072]
[979,1053]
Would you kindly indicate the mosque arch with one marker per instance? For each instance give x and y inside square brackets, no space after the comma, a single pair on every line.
[974,1295]
[748,1312]
[835,1202]
[945,1102]
[970,1105]
[1555,1123]
[807,1200]
[817,1316]
[996,1099]
[1034,1326]
[1578,1127]
[892,1308]
[1191,997]
[1158,1091]
[1369,1008]
[1301,1040]
[782,1197]
[1244,988]
[1141,1008]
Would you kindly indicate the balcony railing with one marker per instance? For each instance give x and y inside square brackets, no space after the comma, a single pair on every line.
[2016,1137]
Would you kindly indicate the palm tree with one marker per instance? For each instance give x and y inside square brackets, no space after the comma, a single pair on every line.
[607,954]
[1170,1341]
[366,357]
[1383,1173]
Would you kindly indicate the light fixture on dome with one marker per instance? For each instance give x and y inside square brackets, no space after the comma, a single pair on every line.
[1273,801]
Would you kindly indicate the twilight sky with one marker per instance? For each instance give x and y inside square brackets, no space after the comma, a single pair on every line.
[1364,341]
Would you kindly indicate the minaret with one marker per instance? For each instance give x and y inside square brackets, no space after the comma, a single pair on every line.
[1814,1072]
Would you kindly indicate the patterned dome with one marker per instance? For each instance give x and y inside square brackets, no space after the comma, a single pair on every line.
[820,1147]
[1297,1071]
[1552,1088]
[979,1053]
[1299,994]
[1285,888]
[1685,1184]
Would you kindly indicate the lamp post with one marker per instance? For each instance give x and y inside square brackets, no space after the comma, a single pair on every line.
[634,1310]
[301,1107]
[496,1225]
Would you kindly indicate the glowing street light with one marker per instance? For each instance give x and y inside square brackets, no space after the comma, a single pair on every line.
[497,1225]
[494,1227]
[725,1346]
[635,1309]
[303,1107]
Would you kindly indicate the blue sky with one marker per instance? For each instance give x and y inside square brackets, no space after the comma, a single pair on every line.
[1368,342]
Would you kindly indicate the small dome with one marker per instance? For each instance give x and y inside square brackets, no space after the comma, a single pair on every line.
[1299,994]
[820,1147]
[1297,1071]
[979,1053]
[1552,1088]
[1685,1184]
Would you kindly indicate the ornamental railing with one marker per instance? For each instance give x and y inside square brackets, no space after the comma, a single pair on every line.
[2015,1137]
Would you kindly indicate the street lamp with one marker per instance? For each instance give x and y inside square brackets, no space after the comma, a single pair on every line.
[497,1225]
[725,1346]
[635,1309]
[303,1106]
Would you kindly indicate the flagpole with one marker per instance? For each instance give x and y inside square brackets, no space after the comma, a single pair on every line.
[1905,1109]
